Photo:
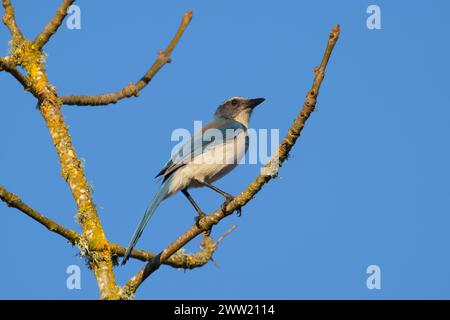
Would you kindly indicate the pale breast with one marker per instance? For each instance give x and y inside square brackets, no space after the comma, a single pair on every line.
[212,164]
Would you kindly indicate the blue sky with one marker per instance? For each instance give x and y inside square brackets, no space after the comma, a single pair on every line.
[368,183]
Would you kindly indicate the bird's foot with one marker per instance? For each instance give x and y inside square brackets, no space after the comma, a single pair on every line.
[197,219]
[224,206]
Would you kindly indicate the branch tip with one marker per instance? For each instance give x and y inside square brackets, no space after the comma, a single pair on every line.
[53,25]
[225,234]
[187,17]
[112,98]
[337,28]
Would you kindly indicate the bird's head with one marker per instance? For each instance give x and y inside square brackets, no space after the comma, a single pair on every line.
[238,108]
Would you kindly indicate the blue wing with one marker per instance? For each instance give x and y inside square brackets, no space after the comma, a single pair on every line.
[199,142]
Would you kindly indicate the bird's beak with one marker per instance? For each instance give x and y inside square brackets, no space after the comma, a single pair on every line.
[255,102]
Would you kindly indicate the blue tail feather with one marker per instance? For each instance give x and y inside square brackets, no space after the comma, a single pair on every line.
[157,199]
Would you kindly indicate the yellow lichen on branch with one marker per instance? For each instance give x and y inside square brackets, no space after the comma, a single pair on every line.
[178,260]
[93,242]
[72,171]
[29,55]
[31,58]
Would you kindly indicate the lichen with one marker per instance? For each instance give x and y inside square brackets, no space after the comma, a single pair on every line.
[24,53]
[83,245]
[126,294]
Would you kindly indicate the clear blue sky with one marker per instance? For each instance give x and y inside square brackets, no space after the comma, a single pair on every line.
[367,183]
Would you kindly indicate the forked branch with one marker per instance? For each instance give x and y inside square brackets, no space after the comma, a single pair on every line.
[178,260]
[269,171]
[29,56]
[10,67]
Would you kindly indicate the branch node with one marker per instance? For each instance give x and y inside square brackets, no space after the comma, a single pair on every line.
[164,57]
[133,89]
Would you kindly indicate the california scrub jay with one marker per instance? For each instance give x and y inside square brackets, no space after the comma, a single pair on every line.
[207,157]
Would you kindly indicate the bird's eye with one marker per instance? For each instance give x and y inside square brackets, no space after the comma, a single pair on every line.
[234,102]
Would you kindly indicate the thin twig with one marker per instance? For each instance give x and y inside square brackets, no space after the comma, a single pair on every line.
[244,197]
[225,234]
[10,67]
[220,240]
[53,25]
[132,89]
[14,201]
[9,19]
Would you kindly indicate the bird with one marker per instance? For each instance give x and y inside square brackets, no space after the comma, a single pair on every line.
[208,156]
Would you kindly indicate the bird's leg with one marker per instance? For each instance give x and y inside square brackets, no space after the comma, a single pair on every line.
[223,193]
[200,213]
[228,196]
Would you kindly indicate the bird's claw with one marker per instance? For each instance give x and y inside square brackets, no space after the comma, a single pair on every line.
[197,219]
[224,206]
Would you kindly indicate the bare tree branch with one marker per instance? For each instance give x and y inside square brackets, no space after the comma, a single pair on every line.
[271,170]
[9,19]
[14,201]
[178,260]
[8,66]
[53,25]
[32,59]
[225,234]
[73,173]
[132,89]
